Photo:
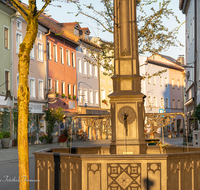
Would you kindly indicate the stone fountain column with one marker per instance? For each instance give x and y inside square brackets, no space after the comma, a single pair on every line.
[127,106]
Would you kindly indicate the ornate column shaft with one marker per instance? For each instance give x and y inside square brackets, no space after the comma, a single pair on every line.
[126,98]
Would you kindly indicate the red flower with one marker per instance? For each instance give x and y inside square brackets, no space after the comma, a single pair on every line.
[62,138]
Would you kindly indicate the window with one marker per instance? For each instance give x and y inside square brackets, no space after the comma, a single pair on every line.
[32,87]
[55,52]
[48,50]
[149,101]
[56,86]
[76,32]
[62,87]
[73,59]
[90,69]
[80,98]
[95,71]
[61,55]
[39,35]
[91,97]
[85,68]
[155,102]
[32,53]
[7,80]
[178,84]
[50,84]
[69,89]
[149,80]
[85,96]
[6,43]
[74,90]
[79,66]
[103,94]
[162,102]
[68,57]
[84,51]
[18,41]
[179,104]
[40,52]
[41,93]
[167,103]
[161,81]
[19,25]
[154,80]
[166,82]
[173,103]
[96,98]
[172,82]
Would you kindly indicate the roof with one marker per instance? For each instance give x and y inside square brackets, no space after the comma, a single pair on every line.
[56,28]
[167,65]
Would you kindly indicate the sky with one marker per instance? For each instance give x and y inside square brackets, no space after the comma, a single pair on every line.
[67,12]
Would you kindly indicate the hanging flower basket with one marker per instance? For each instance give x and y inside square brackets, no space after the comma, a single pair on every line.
[105,102]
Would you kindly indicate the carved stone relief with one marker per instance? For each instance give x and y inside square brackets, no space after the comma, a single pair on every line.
[131,114]
[93,174]
[124,176]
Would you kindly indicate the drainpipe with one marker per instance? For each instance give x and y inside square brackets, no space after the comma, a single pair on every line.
[12,19]
[195,60]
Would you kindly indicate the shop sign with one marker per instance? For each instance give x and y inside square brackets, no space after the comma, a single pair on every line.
[36,108]
[51,97]
[2,101]
[72,105]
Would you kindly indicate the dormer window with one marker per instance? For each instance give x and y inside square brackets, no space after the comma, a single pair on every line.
[86,37]
[76,32]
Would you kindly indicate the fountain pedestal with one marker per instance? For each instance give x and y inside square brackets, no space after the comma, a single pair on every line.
[126,97]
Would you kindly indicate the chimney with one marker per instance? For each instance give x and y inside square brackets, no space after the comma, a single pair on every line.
[181,59]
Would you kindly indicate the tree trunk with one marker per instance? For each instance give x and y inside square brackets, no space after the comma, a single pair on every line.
[23,97]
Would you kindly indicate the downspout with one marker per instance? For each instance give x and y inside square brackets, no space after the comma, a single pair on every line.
[195,60]
[46,65]
[12,18]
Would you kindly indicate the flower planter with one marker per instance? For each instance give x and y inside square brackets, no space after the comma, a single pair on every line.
[152,136]
[6,142]
[174,135]
[44,141]
[170,136]
[63,144]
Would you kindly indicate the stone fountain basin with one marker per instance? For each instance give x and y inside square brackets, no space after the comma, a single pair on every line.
[94,168]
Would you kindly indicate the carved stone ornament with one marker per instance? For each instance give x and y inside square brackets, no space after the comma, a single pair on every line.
[126,110]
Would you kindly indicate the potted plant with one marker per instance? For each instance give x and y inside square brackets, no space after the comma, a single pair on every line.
[169,134]
[63,140]
[44,139]
[105,102]
[174,134]
[152,136]
[181,133]
[1,137]
[69,96]
[74,97]
[6,139]
[57,95]
[63,96]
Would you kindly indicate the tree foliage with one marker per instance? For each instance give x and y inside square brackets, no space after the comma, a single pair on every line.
[153,34]
[53,116]
[151,27]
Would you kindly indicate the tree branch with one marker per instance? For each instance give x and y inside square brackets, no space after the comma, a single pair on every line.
[21,8]
[43,8]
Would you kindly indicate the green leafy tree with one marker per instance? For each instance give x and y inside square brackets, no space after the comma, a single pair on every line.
[53,116]
[151,29]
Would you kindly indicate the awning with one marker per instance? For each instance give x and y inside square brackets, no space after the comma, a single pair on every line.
[190,101]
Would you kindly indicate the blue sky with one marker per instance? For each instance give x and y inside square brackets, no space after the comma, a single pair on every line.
[62,15]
